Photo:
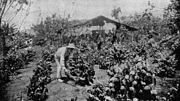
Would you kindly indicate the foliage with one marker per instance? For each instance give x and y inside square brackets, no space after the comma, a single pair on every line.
[133,72]
[5,7]
[13,62]
[150,54]
[115,13]
[10,33]
[133,59]
[127,84]
[173,13]
[82,70]
[50,30]
[37,89]
[16,57]
[28,57]
[48,54]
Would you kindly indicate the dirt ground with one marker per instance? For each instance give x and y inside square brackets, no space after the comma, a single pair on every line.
[16,90]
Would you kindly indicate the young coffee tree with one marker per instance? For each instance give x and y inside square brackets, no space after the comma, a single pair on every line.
[37,89]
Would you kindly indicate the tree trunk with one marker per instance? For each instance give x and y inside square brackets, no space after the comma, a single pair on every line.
[3,42]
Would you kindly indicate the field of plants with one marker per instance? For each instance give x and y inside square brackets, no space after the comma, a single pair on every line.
[121,65]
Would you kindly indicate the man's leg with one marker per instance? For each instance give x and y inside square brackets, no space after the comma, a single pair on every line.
[59,69]
[58,75]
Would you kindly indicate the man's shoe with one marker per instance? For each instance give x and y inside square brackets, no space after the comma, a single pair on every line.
[60,80]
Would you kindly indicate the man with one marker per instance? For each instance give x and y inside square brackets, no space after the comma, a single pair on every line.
[61,57]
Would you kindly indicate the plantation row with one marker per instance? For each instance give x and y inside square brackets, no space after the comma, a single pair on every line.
[133,69]
[13,62]
[135,61]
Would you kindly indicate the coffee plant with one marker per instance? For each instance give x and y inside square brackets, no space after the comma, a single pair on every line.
[13,62]
[48,55]
[129,84]
[37,89]
[81,70]
[28,56]
[133,71]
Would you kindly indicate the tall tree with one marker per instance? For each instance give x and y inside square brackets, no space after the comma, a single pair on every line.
[8,10]
[115,13]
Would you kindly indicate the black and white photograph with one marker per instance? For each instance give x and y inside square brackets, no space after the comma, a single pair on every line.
[89,50]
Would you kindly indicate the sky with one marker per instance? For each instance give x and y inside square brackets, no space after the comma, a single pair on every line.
[84,9]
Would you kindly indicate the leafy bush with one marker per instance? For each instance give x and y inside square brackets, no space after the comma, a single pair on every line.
[28,56]
[127,84]
[130,84]
[14,61]
[51,31]
[48,55]
[37,89]
[82,70]
[11,64]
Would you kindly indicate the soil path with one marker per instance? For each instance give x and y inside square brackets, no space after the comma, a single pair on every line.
[16,90]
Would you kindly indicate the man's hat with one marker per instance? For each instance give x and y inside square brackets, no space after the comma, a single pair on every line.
[71,46]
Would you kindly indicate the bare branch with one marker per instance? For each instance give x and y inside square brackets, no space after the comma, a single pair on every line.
[3,9]
[9,6]
[27,13]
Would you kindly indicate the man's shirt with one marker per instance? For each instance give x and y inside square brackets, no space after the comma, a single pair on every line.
[60,53]
[63,53]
